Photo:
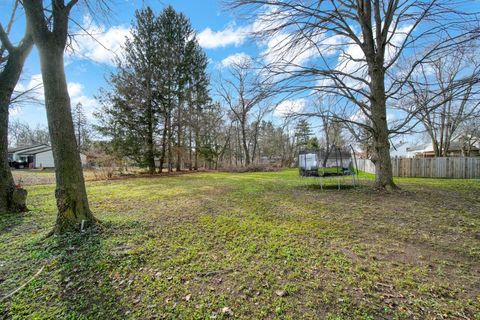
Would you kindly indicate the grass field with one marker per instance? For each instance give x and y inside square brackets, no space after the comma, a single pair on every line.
[249,246]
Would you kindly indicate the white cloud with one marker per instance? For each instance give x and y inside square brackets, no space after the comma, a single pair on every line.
[231,35]
[352,63]
[15,111]
[98,43]
[75,90]
[359,117]
[34,87]
[396,41]
[352,60]
[234,58]
[90,105]
[282,48]
[289,107]
[279,50]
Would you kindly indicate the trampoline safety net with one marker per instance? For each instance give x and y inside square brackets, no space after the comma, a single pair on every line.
[323,163]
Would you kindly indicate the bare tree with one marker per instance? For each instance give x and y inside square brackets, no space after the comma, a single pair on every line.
[21,134]
[12,59]
[353,48]
[50,33]
[289,143]
[80,124]
[470,136]
[445,91]
[244,92]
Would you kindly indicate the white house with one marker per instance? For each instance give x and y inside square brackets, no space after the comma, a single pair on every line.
[403,149]
[425,150]
[34,156]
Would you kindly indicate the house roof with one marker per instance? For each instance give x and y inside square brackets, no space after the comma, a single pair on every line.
[35,151]
[32,149]
[428,148]
[420,147]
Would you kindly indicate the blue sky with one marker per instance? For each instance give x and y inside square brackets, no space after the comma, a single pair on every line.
[223,36]
[219,33]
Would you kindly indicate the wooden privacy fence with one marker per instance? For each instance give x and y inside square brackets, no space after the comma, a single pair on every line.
[445,167]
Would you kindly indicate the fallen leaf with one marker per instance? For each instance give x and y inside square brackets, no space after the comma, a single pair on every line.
[227,311]
[280,293]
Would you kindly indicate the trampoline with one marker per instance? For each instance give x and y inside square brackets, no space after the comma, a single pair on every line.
[334,163]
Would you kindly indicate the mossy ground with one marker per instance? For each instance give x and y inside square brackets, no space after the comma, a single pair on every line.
[263,245]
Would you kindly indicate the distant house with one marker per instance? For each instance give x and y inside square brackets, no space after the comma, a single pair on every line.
[34,156]
[401,149]
[455,150]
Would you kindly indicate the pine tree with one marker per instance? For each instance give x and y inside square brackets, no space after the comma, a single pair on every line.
[80,125]
[303,133]
[130,111]
[157,91]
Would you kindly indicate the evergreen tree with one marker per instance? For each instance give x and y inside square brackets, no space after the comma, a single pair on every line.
[80,124]
[303,133]
[158,88]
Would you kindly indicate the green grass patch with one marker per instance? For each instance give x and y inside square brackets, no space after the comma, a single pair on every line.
[249,246]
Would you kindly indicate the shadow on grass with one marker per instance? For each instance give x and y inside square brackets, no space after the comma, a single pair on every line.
[327,187]
[8,221]
[84,284]
[75,282]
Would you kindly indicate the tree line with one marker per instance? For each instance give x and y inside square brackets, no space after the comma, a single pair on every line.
[369,57]
[158,111]
[366,57]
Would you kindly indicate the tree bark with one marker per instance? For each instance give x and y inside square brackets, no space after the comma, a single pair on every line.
[151,128]
[8,80]
[169,143]
[255,142]
[7,185]
[179,165]
[197,146]
[381,144]
[72,202]
[190,151]
[164,146]
[150,154]
[71,195]
[244,141]
[150,142]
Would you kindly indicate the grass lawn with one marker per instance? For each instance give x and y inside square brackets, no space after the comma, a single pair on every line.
[249,246]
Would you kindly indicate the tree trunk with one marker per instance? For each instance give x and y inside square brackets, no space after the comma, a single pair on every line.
[190,151]
[197,145]
[8,80]
[244,142]
[71,195]
[169,136]
[150,154]
[179,136]
[7,185]
[150,141]
[255,142]
[164,146]
[381,144]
